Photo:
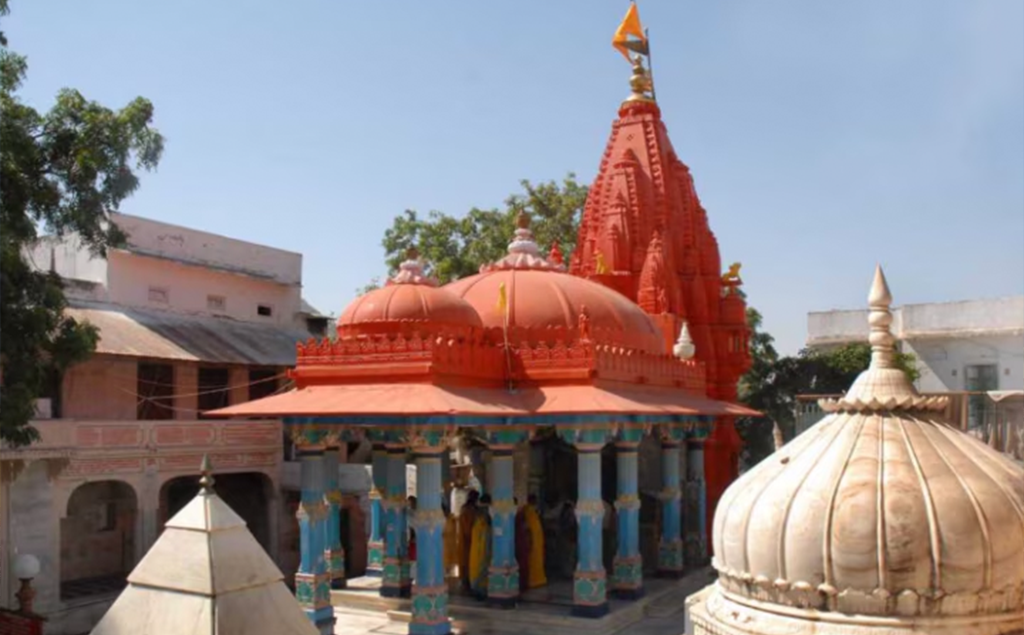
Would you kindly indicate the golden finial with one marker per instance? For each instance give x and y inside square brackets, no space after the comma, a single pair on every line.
[412,253]
[640,82]
[523,220]
[206,470]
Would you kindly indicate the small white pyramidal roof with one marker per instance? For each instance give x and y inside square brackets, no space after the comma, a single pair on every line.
[206,575]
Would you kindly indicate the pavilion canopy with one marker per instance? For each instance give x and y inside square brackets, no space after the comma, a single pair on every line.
[430,400]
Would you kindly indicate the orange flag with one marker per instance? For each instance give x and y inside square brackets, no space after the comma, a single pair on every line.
[630,26]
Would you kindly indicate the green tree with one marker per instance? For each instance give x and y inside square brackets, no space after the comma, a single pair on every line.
[456,247]
[61,173]
[773,383]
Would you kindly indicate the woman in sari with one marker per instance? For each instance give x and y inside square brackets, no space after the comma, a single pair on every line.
[536,576]
[522,548]
[467,516]
[480,550]
[450,538]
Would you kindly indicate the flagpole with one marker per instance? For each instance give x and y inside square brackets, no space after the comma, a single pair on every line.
[650,65]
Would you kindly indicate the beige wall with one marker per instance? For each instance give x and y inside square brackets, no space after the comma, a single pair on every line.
[143,455]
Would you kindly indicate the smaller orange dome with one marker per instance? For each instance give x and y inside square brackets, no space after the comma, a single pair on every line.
[409,299]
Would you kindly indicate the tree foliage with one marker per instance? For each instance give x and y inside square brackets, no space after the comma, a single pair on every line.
[61,173]
[773,383]
[453,247]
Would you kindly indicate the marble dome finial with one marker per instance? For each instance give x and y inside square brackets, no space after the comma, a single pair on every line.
[880,318]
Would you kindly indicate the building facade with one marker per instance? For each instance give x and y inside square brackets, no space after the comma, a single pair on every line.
[973,345]
[188,322]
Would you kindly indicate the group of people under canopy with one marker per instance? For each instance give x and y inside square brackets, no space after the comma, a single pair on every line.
[467,543]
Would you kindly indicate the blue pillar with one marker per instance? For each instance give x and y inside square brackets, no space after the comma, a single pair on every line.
[670,545]
[334,553]
[628,573]
[396,581]
[696,533]
[313,581]
[430,591]
[590,595]
[503,574]
[375,544]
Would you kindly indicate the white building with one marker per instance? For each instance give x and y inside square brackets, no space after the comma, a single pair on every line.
[972,346]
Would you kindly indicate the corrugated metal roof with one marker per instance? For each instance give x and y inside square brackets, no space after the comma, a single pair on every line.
[165,335]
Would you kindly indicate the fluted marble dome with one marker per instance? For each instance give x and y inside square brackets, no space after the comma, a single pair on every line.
[882,518]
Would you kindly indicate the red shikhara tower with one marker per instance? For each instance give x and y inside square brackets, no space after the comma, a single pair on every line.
[645,234]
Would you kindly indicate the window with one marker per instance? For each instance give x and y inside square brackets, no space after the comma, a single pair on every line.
[262,382]
[980,378]
[213,390]
[108,516]
[158,295]
[265,310]
[155,391]
[216,302]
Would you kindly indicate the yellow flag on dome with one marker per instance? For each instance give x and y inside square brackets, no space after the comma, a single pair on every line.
[502,298]
[631,26]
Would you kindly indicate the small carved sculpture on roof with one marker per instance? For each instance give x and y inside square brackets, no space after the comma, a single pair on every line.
[732,276]
[600,267]
[584,324]
[555,255]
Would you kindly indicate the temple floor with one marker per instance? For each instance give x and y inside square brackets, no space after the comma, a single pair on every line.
[361,611]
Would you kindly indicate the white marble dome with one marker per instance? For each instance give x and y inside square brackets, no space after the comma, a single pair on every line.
[881,518]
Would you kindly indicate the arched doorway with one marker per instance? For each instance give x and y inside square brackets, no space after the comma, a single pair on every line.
[248,494]
[97,539]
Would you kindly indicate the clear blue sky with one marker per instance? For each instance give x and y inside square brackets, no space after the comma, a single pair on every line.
[823,136]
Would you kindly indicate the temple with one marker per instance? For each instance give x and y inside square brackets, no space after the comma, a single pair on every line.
[642,337]
[645,234]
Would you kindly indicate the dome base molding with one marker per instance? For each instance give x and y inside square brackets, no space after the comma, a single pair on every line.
[714,612]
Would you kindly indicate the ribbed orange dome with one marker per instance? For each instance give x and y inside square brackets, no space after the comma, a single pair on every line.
[407,303]
[409,299]
[540,299]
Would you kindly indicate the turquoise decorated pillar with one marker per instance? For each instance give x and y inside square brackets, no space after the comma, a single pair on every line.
[313,580]
[396,582]
[696,502]
[375,544]
[503,574]
[670,544]
[590,595]
[628,572]
[334,554]
[430,591]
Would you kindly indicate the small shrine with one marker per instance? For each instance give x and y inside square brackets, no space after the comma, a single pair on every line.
[641,335]
[882,519]
[205,575]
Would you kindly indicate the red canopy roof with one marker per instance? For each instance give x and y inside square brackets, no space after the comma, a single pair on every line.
[430,399]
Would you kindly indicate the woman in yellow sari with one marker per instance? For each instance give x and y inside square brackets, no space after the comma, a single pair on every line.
[537,577]
[450,537]
[480,549]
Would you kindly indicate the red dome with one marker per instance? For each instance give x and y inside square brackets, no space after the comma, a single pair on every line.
[410,304]
[545,299]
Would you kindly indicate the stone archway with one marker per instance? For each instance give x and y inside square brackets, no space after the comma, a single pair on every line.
[97,539]
[249,494]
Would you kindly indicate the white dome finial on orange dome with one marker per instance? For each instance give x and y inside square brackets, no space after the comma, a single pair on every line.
[411,270]
[523,251]
[684,347]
